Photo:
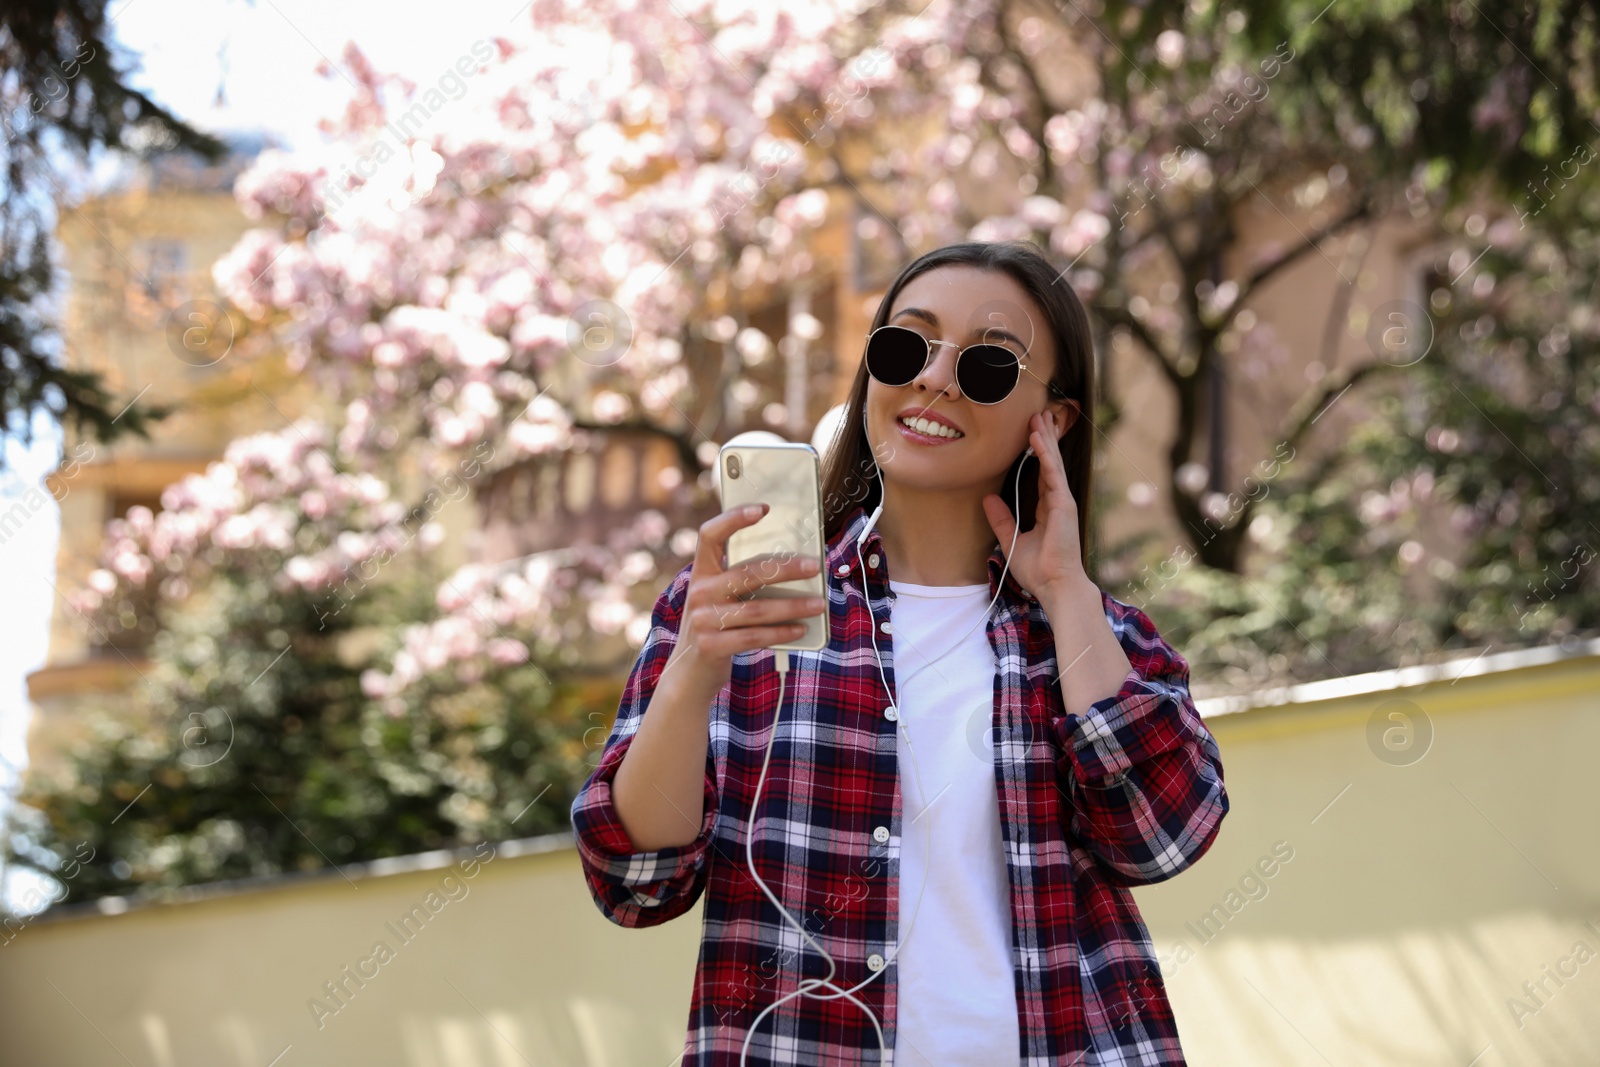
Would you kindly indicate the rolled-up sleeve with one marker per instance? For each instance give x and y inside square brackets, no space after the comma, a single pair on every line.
[1142,772]
[632,887]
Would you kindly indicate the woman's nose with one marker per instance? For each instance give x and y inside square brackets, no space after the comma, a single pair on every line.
[939,373]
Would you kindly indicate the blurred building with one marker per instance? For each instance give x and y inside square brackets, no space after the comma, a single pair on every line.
[140,309]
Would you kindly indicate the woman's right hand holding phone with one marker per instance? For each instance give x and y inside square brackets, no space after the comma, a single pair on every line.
[666,759]
[719,617]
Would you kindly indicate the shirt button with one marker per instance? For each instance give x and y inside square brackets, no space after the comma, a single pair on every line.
[881,834]
[891,713]
[872,560]
[886,626]
[875,962]
[842,569]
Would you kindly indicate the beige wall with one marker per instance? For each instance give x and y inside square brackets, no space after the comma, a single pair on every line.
[521,959]
[1418,899]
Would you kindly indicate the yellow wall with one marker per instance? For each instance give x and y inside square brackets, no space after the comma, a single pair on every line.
[227,981]
[1418,899]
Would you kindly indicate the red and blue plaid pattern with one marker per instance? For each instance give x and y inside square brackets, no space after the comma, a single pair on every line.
[1127,793]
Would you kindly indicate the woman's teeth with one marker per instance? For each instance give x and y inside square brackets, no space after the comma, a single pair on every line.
[933,429]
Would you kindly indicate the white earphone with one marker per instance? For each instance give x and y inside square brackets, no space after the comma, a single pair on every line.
[781,662]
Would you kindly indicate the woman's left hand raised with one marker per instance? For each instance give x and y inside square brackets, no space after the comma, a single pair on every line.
[1047,559]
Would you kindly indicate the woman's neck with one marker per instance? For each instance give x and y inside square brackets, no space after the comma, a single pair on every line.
[936,537]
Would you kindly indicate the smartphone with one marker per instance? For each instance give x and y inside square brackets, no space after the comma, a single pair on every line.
[788,478]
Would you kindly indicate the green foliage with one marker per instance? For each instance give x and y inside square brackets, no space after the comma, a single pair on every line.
[1464,514]
[250,750]
[1325,595]
[1495,89]
[1508,430]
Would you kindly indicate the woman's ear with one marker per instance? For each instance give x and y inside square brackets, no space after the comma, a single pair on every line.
[1064,415]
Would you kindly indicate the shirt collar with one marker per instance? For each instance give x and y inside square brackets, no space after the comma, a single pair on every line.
[841,558]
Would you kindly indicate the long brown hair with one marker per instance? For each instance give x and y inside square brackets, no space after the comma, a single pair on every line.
[849,472]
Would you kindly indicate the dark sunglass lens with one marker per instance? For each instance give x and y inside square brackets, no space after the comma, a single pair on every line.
[896,355]
[987,373]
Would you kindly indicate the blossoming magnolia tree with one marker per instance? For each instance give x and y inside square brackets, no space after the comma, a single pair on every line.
[451,288]
[551,261]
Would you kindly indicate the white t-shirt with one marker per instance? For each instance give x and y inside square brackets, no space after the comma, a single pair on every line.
[957,993]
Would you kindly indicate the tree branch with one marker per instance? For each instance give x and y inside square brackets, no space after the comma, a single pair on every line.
[1360,211]
[1121,316]
[1047,174]
[1310,406]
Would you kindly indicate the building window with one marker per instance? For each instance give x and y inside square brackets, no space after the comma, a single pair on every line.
[579,479]
[119,501]
[618,476]
[549,486]
[165,266]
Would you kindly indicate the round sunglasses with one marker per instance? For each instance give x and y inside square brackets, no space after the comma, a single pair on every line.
[985,373]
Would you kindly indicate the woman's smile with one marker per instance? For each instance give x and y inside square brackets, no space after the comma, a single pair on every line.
[923,428]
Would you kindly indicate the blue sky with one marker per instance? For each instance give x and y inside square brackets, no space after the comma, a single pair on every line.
[263,54]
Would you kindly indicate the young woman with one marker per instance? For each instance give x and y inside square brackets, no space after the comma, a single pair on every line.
[945,812]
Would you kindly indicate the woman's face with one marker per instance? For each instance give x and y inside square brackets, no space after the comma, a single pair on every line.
[966,305]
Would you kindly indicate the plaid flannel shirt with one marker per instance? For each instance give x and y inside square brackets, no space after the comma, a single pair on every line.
[1128,791]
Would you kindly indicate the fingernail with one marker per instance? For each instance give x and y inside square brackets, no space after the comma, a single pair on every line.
[752,510]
